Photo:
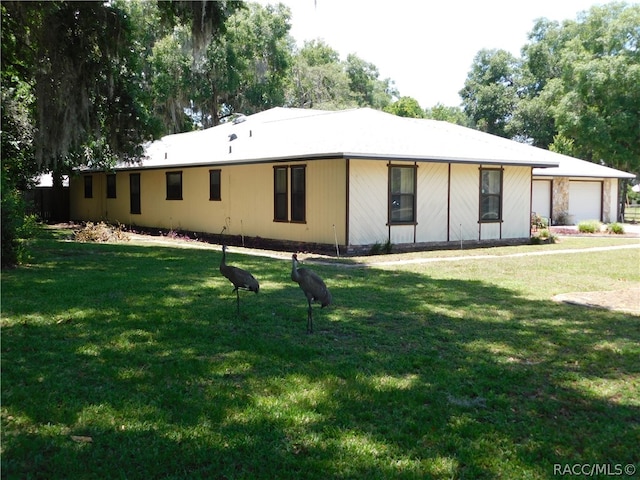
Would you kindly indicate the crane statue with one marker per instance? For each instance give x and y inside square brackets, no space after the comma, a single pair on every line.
[313,287]
[241,279]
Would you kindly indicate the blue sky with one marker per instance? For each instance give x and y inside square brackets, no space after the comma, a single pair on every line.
[425,46]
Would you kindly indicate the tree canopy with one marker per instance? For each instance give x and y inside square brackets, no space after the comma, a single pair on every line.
[89,82]
[574,89]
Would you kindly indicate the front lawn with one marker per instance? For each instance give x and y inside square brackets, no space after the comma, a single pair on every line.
[129,361]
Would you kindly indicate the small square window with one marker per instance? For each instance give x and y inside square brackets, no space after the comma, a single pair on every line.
[174,185]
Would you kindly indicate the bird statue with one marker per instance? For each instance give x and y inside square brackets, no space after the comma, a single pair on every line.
[313,287]
[241,279]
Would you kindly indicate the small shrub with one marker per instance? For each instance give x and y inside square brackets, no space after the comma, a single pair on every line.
[589,226]
[101,232]
[543,236]
[30,227]
[378,248]
[616,228]
[538,221]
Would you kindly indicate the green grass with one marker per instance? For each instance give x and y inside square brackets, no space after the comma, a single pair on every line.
[129,361]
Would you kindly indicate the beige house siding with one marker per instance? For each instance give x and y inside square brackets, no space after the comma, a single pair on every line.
[245,208]
[464,202]
[433,180]
[368,209]
[516,199]
[437,197]
[368,204]
[541,197]
[338,191]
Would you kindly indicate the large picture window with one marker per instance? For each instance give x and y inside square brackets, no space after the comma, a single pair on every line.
[290,193]
[280,193]
[490,195]
[215,192]
[402,194]
[174,185]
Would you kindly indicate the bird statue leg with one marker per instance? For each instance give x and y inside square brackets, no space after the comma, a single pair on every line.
[310,319]
[238,300]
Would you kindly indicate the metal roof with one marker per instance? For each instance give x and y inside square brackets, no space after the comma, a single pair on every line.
[574,167]
[290,134]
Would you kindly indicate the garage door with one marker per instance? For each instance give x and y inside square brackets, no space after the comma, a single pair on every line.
[585,200]
[541,201]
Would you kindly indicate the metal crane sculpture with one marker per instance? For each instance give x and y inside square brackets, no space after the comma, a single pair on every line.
[313,287]
[241,279]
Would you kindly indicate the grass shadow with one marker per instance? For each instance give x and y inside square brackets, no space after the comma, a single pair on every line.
[126,361]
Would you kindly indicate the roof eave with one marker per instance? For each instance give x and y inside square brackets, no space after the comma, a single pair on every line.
[339,155]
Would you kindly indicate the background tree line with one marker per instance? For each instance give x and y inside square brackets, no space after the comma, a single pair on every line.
[574,90]
[87,83]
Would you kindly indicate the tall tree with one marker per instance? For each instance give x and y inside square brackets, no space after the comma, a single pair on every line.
[599,98]
[490,92]
[406,107]
[86,93]
[257,54]
[318,79]
[366,88]
[447,114]
[170,67]
[575,89]
[73,73]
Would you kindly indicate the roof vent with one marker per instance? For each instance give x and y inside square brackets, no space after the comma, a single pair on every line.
[232,137]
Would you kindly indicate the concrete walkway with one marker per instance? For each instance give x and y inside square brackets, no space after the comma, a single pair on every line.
[412,261]
[331,261]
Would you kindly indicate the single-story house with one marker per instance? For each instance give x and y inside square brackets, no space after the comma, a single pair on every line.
[577,190]
[353,178]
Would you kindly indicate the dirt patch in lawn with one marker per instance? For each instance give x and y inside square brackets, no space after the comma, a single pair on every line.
[626,300]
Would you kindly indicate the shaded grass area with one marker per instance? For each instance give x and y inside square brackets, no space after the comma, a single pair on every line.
[122,361]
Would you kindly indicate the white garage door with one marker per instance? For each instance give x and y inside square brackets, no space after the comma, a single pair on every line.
[585,200]
[541,201]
